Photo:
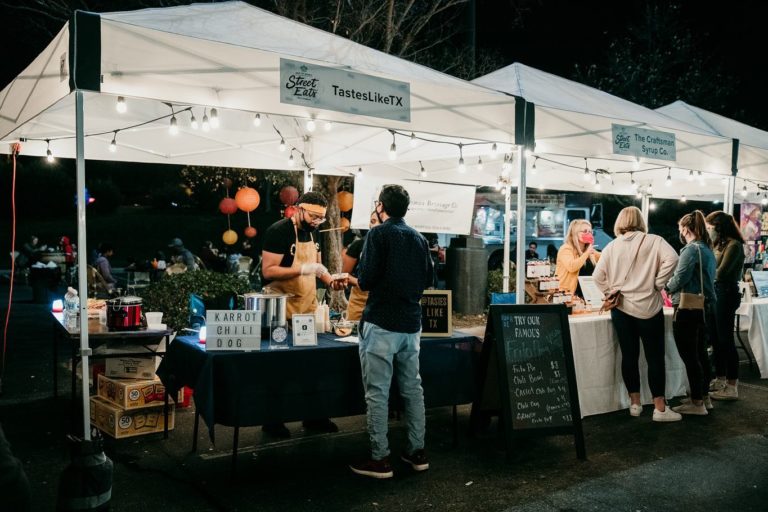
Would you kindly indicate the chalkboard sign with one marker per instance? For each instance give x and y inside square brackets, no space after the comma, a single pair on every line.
[436,313]
[529,359]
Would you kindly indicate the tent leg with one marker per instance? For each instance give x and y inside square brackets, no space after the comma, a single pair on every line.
[521,198]
[645,206]
[730,191]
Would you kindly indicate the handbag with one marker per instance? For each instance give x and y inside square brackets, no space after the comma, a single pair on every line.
[694,301]
[613,299]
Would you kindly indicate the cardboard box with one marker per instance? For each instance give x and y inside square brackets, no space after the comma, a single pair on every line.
[131,393]
[119,423]
[142,367]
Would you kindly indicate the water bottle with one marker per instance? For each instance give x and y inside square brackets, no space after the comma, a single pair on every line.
[71,305]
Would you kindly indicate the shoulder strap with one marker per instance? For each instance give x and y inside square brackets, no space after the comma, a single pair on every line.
[633,262]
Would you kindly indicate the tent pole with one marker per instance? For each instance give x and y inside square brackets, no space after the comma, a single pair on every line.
[507,230]
[730,191]
[82,262]
[645,206]
[520,274]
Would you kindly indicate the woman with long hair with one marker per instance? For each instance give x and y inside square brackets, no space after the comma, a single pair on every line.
[729,256]
[695,274]
[577,256]
[639,265]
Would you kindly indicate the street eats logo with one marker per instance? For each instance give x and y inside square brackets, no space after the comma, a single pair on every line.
[344,91]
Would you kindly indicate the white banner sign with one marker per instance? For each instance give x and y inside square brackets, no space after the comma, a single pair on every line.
[435,207]
[640,143]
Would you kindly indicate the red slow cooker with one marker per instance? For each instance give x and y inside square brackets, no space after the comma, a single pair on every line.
[124,314]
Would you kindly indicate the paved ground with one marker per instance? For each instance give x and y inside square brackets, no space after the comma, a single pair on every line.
[717,463]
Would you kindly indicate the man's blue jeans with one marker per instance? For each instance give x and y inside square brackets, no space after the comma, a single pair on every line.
[378,349]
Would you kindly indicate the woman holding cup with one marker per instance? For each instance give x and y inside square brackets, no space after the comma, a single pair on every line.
[577,256]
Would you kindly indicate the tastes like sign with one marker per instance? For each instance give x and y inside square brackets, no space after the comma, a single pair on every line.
[344,91]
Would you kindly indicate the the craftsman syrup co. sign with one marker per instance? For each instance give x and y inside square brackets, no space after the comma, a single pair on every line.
[344,91]
[640,143]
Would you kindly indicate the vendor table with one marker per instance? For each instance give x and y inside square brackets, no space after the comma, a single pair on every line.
[104,343]
[597,360]
[756,317]
[240,389]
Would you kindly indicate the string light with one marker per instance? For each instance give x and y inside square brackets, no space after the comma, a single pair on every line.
[533,168]
[113,144]
[669,177]
[462,167]
[649,191]
[423,171]
[193,120]
[652,206]
[632,181]
[393,148]
[359,171]
[257,120]
[413,140]
[597,182]
[479,164]
[206,122]
[639,194]
[214,118]
[48,152]
[494,150]
[744,192]
[173,129]
[311,125]
[586,170]
[683,199]
[281,147]
[636,164]
[507,165]
[690,175]
[121,106]
[328,126]
[291,161]
[764,200]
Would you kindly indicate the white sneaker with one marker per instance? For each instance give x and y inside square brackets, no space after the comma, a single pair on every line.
[666,415]
[707,402]
[635,410]
[728,393]
[691,408]
[717,384]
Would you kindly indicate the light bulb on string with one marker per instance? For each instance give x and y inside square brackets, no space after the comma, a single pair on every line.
[359,171]
[683,199]
[311,125]
[214,118]
[690,175]
[393,148]
[744,191]
[48,152]
[423,171]
[206,123]
[193,120]
[173,129]
[764,200]
[413,140]
[636,164]
[291,160]
[597,182]
[494,150]
[610,176]
[668,182]
[632,181]
[652,206]
[328,126]
[639,194]
[506,166]
[586,170]
[121,106]
[533,167]
[113,144]
[479,164]
[701,179]
[257,120]
[281,147]
[462,167]
[649,191]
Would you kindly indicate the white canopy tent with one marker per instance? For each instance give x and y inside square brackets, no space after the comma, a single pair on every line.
[187,60]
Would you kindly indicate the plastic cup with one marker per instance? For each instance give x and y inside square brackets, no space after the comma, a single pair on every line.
[154,317]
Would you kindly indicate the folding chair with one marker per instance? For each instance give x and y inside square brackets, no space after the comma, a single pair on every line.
[137,281]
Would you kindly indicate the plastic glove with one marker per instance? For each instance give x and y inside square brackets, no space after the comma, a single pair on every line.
[317,269]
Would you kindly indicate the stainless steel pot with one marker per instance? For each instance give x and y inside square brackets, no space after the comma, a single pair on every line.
[271,305]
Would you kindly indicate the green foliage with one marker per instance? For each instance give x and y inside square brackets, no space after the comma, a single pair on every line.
[171,294]
[496,280]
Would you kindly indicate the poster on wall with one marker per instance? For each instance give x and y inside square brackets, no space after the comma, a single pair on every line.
[435,207]
[751,214]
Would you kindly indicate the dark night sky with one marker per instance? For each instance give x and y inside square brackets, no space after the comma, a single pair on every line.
[557,34]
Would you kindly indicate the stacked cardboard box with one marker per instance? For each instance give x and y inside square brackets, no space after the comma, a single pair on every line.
[129,407]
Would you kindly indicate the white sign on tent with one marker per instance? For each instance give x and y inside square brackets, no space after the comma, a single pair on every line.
[434,208]
[640,143]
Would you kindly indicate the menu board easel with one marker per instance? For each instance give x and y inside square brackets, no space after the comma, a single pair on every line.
[527,374]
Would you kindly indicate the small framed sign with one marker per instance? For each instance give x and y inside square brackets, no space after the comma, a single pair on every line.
[233,330]
[436,313]
[304,332]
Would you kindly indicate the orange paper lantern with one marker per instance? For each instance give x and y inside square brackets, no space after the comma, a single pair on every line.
[290,211]
[344,224]
[345,200]
[228,206]
[288,195]
[250,232]
[229,237]
[247,199]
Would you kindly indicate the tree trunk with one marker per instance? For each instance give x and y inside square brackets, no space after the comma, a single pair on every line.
[332,240]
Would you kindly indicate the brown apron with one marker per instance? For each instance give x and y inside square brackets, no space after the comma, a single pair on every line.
[303,288]
[357,300]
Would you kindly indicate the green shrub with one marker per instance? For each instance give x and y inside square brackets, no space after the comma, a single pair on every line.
[496,281]
[171,294]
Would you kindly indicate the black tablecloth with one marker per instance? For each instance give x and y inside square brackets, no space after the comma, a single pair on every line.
[254,388]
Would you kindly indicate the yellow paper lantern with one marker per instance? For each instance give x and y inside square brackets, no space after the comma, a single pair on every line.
[229,237]
[345,200]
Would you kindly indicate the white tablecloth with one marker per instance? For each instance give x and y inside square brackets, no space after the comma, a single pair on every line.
[755,316]
[597,359]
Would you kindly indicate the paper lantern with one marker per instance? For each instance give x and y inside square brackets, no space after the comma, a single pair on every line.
[344,224]
[345,200]
[290,211]
[228,206]
[247,199]
[250,232]
[288,195]
[229,237]
[227,182]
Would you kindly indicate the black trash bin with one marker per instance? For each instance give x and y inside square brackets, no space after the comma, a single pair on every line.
[43,281]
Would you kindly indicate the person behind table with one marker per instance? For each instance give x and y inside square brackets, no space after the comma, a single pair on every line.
[104,267]
[350,259]
[697,262]
[577,256]
[729,255]
[552,253]
[30,252]
[211,258]
[531,253]
[395,267]
[181,254]
[639,265]
[290,263]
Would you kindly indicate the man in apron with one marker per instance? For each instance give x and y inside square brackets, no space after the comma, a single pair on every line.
[290,263]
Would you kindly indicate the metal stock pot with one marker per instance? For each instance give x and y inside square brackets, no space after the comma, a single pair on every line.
[271,305]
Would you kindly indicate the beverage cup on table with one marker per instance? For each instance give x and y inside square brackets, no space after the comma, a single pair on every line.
[154,318]
[103,316]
